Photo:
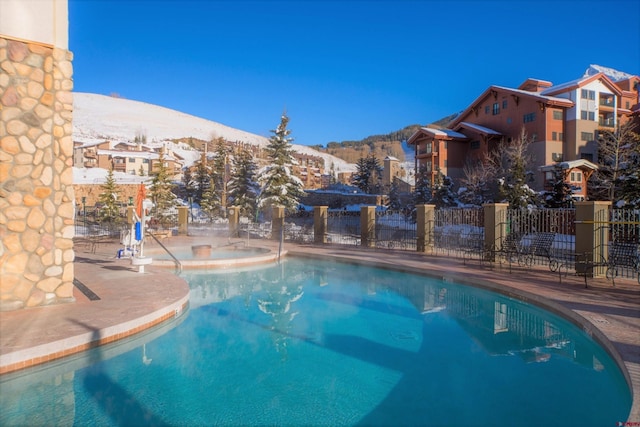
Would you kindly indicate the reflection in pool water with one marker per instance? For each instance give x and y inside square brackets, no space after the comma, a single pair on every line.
[320,343]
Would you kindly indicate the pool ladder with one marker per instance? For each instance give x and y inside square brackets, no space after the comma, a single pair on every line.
[176,260]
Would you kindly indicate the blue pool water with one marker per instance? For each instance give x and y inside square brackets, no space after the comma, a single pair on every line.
[319,343]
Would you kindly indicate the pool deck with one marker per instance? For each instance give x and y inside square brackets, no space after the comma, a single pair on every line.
[130,302]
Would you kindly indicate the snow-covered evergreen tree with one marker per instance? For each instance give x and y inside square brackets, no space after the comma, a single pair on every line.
[362,176]
[242,187]
[560,194]
[161,192]
[211,204]
[279,187]
[368,174]
[443,194]
[219,169]
[394,202]
[201,178]
[109,200]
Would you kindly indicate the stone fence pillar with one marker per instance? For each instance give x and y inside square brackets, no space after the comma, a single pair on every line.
[320,224]
[183,220]
[233,215]
[130,210]
[277,222]
[496,227]
[425,225]
[592,237]
[368,226]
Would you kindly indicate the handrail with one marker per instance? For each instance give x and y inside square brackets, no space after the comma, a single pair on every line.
[178,263]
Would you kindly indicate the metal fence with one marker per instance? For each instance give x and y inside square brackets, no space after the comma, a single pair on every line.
[343,227]
[459,232]
[395,230]
[623,245]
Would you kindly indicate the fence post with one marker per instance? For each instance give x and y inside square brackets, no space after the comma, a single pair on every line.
[130,214]
[592,237]
[183,220]
[368,226]
[232,216]
[425,224]
[495,227]
[277,222]
[320,224]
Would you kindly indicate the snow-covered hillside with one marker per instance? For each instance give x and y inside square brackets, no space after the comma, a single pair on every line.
[97,118]
[614,75]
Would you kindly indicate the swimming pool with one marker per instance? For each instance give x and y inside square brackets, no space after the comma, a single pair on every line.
[323,343]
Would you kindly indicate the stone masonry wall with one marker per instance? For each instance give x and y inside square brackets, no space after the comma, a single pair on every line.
[36,159]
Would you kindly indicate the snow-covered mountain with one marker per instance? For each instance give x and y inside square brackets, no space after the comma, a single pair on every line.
[97,118]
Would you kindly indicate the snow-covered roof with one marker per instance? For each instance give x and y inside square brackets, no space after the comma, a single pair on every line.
[574,84]
[135,154]
[99,176]
[540,95]
[571,164]
[614,75]
[478,128]
[442,133]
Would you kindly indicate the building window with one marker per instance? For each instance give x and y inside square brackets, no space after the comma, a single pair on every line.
[592,116]
[626,105]
[557,115]
[586,136]
[508,120]
[486,109]
[588,94]
[560,136]
[549,176]
[496,109]
[504,104]
[475,145]
[132,159]
[554,136]
[534,137]
[145,161]
[529,117]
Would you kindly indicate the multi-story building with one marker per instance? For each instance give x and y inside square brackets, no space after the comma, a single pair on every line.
[560,122]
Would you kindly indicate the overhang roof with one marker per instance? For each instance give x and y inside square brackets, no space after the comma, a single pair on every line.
[571,164]
[481,129]
[446,134]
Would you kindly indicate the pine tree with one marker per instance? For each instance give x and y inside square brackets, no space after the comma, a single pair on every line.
[423,192]
[242,187]
[201,178]
[443,195]
[188,183]
[362,176]
[394,202]
[560,194]
[211,204]
[109,200]
[161,191]
[279,187]
[219,170]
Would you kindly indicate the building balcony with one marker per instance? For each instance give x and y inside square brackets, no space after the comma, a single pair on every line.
[120,167]
[90,163]
[606,123]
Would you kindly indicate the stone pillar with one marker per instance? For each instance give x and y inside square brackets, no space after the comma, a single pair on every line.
[495,227]
[37,202]
[592,237]
[233,215]
[183,220]
[368,226]
[425,225]
[277,222]
[320,224]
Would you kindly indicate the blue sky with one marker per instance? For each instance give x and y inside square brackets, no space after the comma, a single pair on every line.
[342,70]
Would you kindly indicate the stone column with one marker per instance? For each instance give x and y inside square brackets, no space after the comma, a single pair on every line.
[183,220]
[233,215]
[368,226]
[320,224]
[495,226]
[592,237]
[37,202]
[425,223]
[277,222]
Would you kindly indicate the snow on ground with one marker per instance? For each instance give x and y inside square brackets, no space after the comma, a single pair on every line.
[97,118]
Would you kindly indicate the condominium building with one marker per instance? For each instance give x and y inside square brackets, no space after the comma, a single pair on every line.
[561,123]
